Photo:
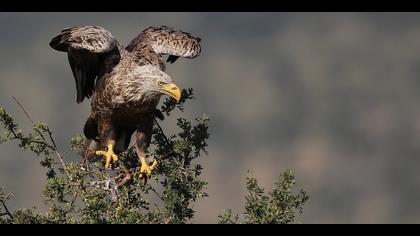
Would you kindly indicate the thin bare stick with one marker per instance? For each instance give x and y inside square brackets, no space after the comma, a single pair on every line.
[157,194]
[57,152]
[76,194]
[23,109]
[3,202]
[65,153]
[161,130]
[53,146]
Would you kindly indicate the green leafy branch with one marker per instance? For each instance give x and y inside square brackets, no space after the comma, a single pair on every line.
[85,192]
[39,141]
[278,207]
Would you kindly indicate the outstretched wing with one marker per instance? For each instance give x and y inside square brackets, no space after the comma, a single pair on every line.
[165,40]
[89,49]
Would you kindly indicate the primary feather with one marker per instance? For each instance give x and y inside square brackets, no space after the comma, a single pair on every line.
[87,47]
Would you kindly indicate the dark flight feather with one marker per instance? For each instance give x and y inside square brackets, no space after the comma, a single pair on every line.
[172,58]
[87,49]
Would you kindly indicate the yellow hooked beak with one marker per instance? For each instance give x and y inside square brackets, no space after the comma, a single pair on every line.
[172,90]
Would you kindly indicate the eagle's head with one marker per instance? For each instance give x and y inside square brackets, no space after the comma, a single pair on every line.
[148,83]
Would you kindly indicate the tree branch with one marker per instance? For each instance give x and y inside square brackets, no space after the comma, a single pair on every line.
[161,130]
[3,202]
[53,147]
[20,105]
[31,141]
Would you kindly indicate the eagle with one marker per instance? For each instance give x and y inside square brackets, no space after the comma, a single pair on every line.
[124,84]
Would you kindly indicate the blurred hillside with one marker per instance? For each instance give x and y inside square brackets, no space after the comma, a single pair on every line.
[333,96]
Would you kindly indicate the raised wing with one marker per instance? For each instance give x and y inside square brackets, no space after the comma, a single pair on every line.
[92,50]
[165,40]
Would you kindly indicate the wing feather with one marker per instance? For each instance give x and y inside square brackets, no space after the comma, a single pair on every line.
[166,40]
[87,48]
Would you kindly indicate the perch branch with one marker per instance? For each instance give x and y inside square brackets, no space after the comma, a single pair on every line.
[127,176]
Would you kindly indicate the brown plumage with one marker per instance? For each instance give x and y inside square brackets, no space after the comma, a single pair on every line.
[153,42]
[125,83]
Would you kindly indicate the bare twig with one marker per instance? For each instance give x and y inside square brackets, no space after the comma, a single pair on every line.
[3,202]
[76,194]
[23,109]
[53,147]
[115,194]
[65,153]
[167,141]
[161,130]
[157,194]
[57,152]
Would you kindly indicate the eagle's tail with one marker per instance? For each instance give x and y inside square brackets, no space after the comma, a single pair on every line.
[91,128]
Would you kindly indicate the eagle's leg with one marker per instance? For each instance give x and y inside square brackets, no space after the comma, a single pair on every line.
[145,169]
[107,137]
[143,137]
[110,156]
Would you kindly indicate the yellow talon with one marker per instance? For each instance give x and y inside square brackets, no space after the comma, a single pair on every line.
[110,156]
[145,169]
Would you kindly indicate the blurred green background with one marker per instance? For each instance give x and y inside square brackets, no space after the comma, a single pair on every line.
[334,96]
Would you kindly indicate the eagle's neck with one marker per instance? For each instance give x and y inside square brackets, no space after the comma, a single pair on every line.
[141,104]
[149,99]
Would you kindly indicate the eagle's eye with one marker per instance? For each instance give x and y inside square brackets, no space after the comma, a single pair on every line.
[161,83]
